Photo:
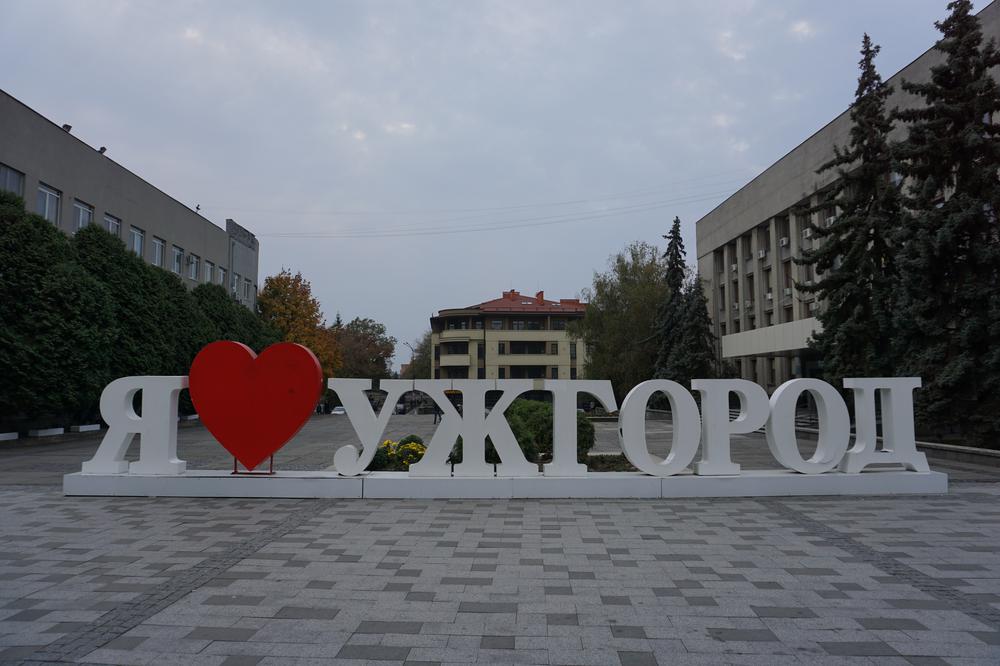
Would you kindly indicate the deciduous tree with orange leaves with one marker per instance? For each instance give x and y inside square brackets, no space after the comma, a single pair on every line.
[286,302]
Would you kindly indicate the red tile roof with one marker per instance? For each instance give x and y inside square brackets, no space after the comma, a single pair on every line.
[514,301]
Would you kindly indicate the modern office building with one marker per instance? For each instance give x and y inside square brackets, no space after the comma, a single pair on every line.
[72,184]
[746,244]
[511,337]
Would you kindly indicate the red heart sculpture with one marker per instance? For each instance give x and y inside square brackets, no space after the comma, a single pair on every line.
[254,404]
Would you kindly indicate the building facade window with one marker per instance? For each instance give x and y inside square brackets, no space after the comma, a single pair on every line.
[554,348]
[481,373]
[113,225]
[48,203]
[572,350]
[572,373]
[517,325]
[159,251]
[558,324]
[222,277]
[496,324]
[234,284]
[502,373]
[177,265]
[247,289]
[136,237]
[501,348]
[11,180]
[209,272]
[83,215]
[194,265]
[554,373]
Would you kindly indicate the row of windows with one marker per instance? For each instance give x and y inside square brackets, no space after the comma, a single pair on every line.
[459,373]
[47,204]
[515,325]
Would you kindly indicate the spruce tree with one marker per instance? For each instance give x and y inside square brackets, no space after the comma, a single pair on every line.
[853,259]
[684,329]
[692,354]
[948,318]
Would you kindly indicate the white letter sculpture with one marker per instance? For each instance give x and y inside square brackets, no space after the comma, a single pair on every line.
[834,426]
[898,441]
[157,427]
[564,392]
[473,426]
[368,427]
[686,427]
[716,426]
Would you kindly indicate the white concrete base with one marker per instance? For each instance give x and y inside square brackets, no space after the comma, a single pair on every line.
[8,436]
[90,427]
[46,432]
[327,484]
[212,483]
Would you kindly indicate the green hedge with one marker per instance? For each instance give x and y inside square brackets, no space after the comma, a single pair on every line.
[76,313]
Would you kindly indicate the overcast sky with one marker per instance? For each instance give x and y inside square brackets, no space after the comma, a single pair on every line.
[426,155]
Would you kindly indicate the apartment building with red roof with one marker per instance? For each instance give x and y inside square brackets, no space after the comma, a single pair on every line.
[516,336]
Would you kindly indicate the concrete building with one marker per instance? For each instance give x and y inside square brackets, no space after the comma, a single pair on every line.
[746,244]
[72,185]
[511,337]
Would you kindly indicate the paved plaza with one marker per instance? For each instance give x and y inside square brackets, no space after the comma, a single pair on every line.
[824,580]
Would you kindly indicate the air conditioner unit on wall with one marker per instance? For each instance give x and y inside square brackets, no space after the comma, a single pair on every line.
[734,267]
[736,306]
[769,296]
[783,241]
[807,232]
[748,304]
[761,254]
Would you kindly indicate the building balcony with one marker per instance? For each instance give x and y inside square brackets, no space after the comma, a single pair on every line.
[454,360]
[528,359]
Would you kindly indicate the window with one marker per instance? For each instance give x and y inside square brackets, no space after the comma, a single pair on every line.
[247,289]
[11,180]
[502,373]
[83,215]
[554,348]
[234,283]
[496,324]
[209,272]
[572,350]
[48,203]
[194,264]
[437,352]
[177,265]
[481,351]
[517,325]
[501,348]
[222,276]
[558,324]
[479,324]
[136,236]
[572,373]
[159,251]
[113,225]
[481,373]
[554,373]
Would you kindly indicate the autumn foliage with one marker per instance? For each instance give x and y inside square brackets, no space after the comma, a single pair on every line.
[286,302]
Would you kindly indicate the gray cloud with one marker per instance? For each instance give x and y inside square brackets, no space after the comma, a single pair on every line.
[313,117]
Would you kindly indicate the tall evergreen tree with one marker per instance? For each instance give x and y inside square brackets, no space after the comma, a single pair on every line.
[948,319]
[854,259]
[683,327]
[692,353]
